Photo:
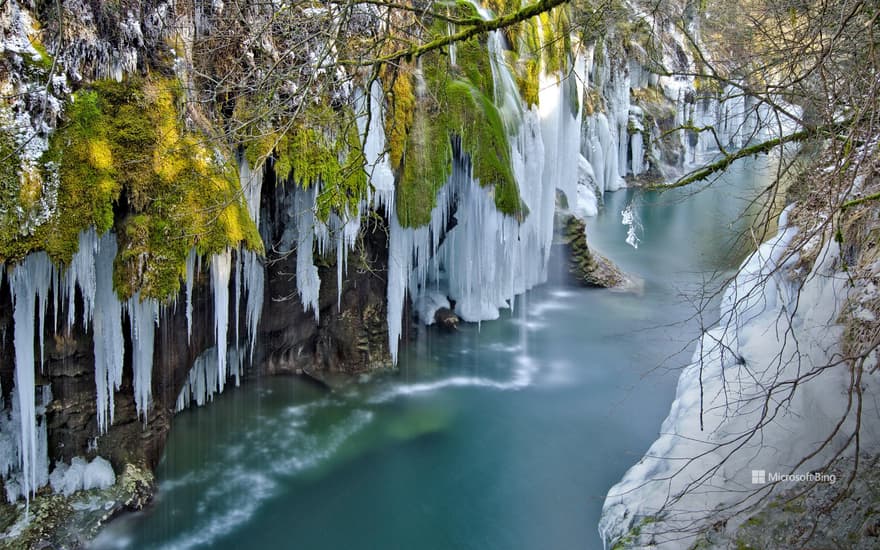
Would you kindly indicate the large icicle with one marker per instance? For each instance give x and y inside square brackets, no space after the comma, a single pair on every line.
[81,273]
[144,315]
[308,283]
[190,280]
[30,280]
[373,137]
[253,276]
[221,269]
[107,331]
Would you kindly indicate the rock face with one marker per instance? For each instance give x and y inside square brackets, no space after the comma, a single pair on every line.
[586,266]
[351,334]
[350,337]
[843,514]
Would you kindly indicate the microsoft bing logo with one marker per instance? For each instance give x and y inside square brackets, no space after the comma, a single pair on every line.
[759,477]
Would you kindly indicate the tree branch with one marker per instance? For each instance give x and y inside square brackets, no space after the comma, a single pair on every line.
[474,29]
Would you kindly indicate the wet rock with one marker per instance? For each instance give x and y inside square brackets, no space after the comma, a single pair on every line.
[446,318]
[351,335]
[588,266]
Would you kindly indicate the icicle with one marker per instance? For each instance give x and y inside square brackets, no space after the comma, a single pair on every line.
[307,281]
[190,280]
[144,315]
[253,272]
[107,332]
[238,284]
[202,382]
[81,273]
[30,279]
[254,279]
[221,268]
[373,137]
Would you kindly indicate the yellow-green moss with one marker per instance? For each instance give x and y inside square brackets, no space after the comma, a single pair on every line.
[126,143]
[456,104]
[10,164]
[323,146]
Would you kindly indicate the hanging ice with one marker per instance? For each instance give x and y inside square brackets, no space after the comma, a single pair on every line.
[373,137]
[307,281]
[144,315]
[107,332]
[30,280]
[221,269]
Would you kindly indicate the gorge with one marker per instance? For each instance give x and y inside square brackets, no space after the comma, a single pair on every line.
[198,193]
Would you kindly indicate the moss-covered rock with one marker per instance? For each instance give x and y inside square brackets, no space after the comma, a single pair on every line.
[453,104]
[323,148]
[59,521]
[123,149]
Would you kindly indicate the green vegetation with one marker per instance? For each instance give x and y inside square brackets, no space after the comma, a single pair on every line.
[124,145]
[324,147]
[456,104]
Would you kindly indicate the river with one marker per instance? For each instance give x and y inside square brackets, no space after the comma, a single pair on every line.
[505,435]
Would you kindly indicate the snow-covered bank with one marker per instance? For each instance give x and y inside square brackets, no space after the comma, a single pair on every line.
[768,391]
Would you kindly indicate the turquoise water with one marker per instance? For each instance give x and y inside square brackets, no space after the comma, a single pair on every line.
[500,436]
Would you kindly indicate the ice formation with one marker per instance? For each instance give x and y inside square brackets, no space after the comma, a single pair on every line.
[81,475]
[107,331]
[770,332]
[143,314]
[481,264]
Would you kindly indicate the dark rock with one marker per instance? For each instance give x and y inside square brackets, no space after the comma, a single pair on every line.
[446,318]
[351,335]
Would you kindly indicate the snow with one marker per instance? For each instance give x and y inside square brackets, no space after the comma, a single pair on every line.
[98,474]
[769,334]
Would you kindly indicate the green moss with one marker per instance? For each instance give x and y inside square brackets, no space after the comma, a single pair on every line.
[323,146]
[45,61]
[125,142]
[10,164]
[456,105]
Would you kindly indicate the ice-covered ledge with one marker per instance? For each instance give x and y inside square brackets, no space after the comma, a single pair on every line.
[736,410]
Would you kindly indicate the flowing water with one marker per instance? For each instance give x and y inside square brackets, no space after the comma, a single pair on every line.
[500,436]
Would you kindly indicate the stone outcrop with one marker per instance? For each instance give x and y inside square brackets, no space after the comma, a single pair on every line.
[588,266]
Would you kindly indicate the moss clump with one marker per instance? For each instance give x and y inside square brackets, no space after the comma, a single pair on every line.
[124,144]
[324,148]
[10,164]
[456,105]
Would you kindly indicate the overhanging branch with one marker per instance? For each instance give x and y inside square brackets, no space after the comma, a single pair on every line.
[473,29]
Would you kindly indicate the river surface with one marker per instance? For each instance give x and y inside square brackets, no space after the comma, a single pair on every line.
[505,435]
